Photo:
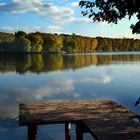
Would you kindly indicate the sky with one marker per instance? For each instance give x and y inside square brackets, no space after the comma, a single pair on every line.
[57,16]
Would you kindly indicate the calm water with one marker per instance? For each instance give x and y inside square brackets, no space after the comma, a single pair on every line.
[37,78]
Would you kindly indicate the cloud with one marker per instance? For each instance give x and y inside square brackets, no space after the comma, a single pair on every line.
[83,20]
[7,29]
[102,79]
[48,10]
[55,90]
[56,13]
[49,90]
[52,29]
[62,88]
[73,4]
[20,6]
[88,20]
[105,79]
[59,89]
[2,4]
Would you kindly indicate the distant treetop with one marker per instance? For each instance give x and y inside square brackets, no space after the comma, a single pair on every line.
[112,11]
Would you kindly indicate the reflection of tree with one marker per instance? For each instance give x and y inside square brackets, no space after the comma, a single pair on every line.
[38,63]
[79,61]
[22,63]
[53,62]
[6,64]
[103,59]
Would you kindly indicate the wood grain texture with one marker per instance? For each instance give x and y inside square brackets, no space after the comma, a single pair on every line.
[105,119]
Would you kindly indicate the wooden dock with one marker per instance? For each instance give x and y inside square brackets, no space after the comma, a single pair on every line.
[104,119]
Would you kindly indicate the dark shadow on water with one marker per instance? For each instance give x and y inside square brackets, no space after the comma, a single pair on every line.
[137,102]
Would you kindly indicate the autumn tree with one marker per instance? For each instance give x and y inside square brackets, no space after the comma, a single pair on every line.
[37,43]
[53,43]
[93,44]
[46,42]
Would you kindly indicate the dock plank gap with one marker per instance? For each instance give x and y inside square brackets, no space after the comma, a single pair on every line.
[104,119]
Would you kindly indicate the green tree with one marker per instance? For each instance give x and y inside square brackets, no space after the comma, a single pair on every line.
[67,44]
[37,43]
[112,11]
[6,42]
[20,34]
[22,45]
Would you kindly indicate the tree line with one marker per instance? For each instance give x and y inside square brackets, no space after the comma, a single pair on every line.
[21,42]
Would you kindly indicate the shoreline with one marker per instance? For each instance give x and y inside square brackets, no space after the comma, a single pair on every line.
[67,53]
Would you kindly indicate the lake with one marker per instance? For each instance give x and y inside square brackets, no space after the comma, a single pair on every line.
[56,77]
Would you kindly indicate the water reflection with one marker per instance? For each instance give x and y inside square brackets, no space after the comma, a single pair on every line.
[29,78]
[38,63]
[49,90]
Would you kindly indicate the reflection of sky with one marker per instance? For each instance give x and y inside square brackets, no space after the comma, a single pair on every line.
[56,87]
[117,82]
[89,83]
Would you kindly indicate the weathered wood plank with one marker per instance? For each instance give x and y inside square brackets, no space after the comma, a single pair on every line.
[114,129]
[56,112]
[106,120]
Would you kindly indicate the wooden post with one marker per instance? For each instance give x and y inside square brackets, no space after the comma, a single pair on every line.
[80,130]
[32,132]
[79,133]
[67,131]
